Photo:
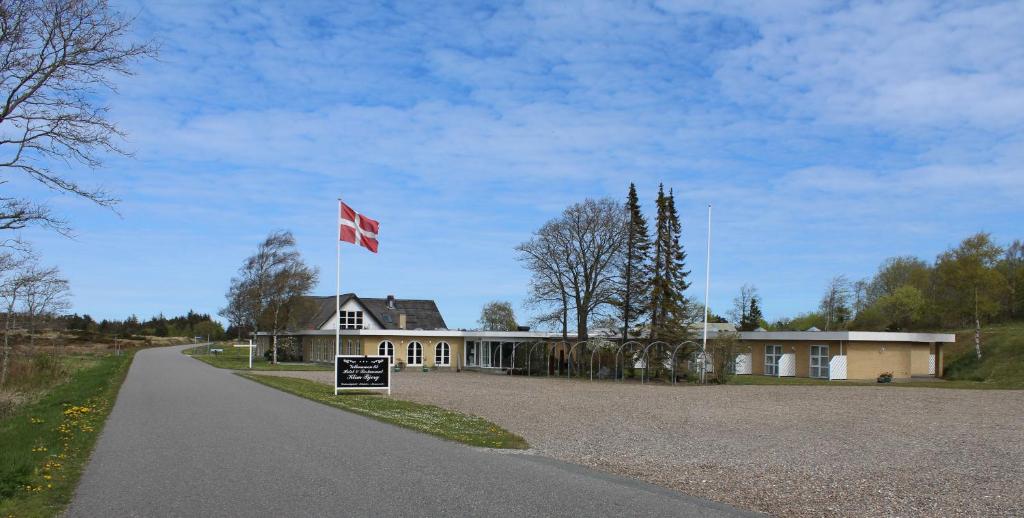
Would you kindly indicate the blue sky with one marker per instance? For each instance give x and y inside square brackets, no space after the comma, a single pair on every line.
[827,136]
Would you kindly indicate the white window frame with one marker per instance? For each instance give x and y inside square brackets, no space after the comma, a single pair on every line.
[351,320]
[774,371]
[386,348]
[822,365]
[418,353]
[442,351]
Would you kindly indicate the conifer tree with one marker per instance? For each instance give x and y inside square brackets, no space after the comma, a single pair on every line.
[658,283]
[634,299]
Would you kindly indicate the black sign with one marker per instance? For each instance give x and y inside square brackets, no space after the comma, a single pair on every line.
[362,372]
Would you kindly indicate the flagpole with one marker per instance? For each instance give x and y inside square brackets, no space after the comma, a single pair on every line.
[337,291]
[707,287]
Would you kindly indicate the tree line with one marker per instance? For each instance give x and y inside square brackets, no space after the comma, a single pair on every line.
[975,282]
[189,325]
[598,264]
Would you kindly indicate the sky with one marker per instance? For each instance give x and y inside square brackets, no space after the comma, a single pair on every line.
[827,137]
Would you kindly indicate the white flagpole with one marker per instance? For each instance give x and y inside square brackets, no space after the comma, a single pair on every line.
[337,291]
[707,287]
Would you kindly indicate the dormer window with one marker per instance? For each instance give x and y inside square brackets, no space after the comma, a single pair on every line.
[351,320]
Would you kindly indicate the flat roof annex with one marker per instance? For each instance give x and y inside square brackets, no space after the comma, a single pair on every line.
[831,336]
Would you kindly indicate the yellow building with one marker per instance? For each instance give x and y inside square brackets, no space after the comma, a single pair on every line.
[413,334]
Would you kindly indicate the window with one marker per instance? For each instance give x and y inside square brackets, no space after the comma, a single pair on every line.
[471,354]
[772,353]
[442,354]
[387,348]
[351,320]
[414,354]
[819,361]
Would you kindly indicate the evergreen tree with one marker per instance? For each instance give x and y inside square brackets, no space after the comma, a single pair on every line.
[753,316]
[658,282]
[634,299]
[669,280]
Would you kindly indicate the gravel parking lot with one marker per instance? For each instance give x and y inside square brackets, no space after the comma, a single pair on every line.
[784,450]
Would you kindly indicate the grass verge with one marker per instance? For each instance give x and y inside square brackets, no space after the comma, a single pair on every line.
[237,358]
[446,424]
[47,443]
[945,384]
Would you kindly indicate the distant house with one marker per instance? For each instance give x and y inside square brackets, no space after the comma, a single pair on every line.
[414,333]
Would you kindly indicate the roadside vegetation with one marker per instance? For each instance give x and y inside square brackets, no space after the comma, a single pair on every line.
[237,358]
[1002,360]
[47,439]
[446,424]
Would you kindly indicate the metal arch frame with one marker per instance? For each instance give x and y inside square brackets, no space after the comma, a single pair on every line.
[592,353]
[568,359]
[674,358]
[618,353]
[529,354]
[647,359]
[550,351]
[512,362]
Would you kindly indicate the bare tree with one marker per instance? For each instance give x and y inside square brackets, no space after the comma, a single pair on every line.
[13,283]
[48,294]
[579,253]
[55,57]
[741,308]
[835,303]
[548,289]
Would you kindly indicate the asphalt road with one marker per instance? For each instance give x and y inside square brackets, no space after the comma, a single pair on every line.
[187,439]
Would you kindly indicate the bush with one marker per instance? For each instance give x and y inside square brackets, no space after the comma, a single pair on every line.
[288,350]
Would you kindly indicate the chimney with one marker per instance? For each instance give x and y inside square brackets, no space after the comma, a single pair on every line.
[391,302]
[401,320]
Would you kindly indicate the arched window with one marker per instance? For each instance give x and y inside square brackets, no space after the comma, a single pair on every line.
[442,354]
[414,355]
[387,348]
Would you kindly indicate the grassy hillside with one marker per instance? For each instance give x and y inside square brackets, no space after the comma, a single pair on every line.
[1002,356]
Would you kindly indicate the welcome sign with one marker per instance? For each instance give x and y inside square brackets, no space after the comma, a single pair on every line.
[361,373]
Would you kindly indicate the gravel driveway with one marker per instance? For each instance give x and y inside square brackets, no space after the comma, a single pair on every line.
[785,450]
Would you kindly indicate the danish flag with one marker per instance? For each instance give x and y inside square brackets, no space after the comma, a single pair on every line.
[356,228]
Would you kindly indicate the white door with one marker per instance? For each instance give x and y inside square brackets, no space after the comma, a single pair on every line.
[819,361]
[743,363]
[772,353]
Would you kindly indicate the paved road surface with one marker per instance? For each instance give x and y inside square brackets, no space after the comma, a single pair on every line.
[186,439]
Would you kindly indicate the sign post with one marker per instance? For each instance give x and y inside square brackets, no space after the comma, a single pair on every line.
[354,372]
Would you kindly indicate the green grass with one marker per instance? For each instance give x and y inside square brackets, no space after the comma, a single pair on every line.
[946,384]
[1002,357]
[454,426]
[46,444]
[237,358]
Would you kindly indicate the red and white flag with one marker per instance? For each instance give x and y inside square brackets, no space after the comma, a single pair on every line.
[356,228]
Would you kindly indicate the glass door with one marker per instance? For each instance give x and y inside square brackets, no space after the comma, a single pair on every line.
[819,361]
[772,353]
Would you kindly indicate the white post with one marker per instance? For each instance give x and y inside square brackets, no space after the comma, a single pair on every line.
[707,286]
[250,352]
[337,294]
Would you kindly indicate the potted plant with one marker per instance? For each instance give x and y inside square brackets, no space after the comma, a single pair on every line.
[885,377]
[425,369]
[399,366]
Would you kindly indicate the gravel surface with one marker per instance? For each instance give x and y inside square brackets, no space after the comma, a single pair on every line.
[784,450]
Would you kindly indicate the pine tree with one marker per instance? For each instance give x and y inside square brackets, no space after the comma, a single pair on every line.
[634,299]
[753,317]
[658,282]
[669,278]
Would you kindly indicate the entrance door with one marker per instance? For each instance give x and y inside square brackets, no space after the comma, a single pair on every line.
[772,353]
[819,361]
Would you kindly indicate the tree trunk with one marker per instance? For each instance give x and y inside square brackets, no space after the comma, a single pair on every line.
[275,348]
[4,361]
[977,326]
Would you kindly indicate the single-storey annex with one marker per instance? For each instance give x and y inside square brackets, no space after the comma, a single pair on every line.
[414,333]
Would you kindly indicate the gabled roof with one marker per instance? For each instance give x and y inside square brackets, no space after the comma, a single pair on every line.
[419,314]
